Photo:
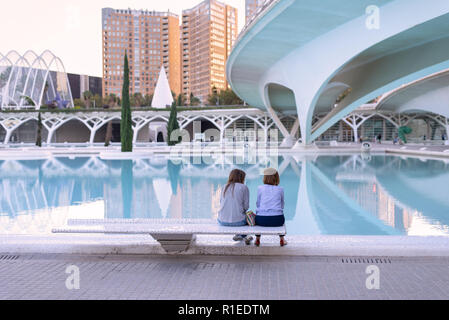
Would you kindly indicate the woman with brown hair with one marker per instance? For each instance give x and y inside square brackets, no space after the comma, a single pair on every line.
[234,203]
[270,203]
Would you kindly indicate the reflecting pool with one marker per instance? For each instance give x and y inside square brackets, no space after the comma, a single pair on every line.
[329,195]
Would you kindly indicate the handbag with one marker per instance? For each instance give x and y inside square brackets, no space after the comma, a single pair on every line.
[251,218]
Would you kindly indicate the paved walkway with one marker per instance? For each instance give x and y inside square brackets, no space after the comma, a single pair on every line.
[220,278]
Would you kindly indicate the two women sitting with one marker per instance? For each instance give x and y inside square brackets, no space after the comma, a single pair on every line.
[234,203]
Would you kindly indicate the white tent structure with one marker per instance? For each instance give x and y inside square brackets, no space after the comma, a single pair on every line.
[162,94]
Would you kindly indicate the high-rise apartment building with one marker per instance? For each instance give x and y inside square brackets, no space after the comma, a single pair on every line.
[151,40]
[251,7]
[208,32]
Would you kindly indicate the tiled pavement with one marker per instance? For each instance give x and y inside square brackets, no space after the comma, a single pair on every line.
[221,278]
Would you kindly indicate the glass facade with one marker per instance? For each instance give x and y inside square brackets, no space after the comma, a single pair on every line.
[32,81]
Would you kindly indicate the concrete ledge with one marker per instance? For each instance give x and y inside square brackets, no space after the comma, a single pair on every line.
[117,155]
[360,246]
[421,152]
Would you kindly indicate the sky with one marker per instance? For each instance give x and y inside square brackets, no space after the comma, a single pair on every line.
[71,29]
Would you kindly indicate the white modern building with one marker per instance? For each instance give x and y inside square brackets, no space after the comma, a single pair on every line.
[30,81]
[309,58]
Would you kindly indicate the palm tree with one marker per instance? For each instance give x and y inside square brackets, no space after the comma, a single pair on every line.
[28,100]
[87,95]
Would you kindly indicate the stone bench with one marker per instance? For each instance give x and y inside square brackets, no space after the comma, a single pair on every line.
[174,235]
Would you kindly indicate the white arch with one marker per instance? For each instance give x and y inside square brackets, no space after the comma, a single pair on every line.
[139,125]
[37,65]
[53,129]
[371,62]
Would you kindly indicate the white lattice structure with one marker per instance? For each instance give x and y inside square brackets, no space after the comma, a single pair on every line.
[93,121]
[31,80]
[222,120]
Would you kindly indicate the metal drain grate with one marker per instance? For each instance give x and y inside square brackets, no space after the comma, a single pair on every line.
[366,260]
[8,257]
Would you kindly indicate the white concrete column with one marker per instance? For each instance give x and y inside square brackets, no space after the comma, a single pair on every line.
[92,135]
[291,139]
[288,141]
[353,125]
[220,125]
[8,136]
[265,134]
[136,132]
[355,130]
[295,128]
[277,121]
[222,132]
[50,135]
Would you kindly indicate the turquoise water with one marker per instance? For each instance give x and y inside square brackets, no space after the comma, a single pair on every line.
[329,195]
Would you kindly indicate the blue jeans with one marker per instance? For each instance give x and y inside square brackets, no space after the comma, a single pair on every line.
[270,221]
[234,224]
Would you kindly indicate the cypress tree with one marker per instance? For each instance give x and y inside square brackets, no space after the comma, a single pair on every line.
[173,124]
[126,131]
[39,131]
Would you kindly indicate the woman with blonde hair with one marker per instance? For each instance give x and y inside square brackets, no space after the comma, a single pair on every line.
[234,203]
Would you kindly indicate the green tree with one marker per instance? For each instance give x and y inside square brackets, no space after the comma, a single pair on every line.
[97,101]
[111,101]
[137,100]
[194,101]
[28,101]
[214,97]
[126,131]
[224,98]
[173,124]
[181,101]
[88,97]
[403,131]
[79,104]
[147,100]
[39,131]
[229,98]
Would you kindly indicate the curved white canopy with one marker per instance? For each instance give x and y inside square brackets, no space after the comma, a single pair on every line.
[32,79]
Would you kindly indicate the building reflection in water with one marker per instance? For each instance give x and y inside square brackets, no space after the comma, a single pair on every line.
[350,194]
